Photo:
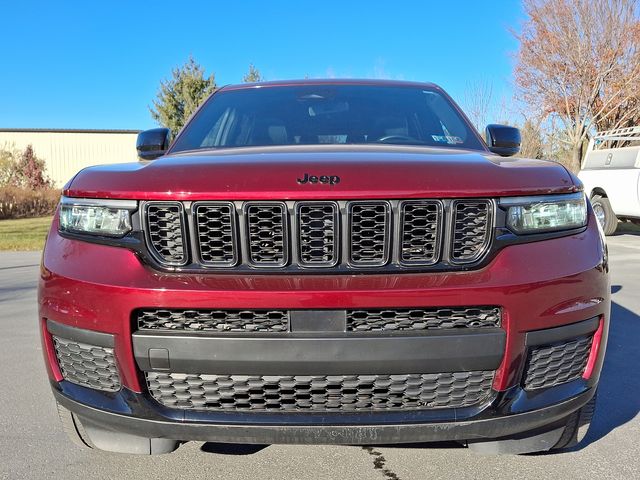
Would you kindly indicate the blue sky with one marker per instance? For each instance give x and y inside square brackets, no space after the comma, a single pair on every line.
[98,64]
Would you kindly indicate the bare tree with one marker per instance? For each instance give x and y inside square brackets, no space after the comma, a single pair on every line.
[477,104]
[532,145]
[579,60]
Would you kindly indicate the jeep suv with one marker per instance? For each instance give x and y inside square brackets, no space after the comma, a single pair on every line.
[343,262]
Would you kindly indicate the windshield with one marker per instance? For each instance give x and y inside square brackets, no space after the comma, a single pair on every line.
[327,114]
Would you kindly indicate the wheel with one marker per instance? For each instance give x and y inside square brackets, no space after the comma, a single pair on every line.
[602,209]
[92,436]
[574,430]
[74,429]
[577,426]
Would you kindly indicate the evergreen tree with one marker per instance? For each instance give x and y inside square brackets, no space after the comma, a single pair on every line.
[179,96]
[253,75]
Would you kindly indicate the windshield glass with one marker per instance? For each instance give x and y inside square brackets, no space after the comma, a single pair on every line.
[327,114]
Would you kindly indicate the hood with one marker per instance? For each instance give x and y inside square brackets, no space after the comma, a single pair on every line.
[254,173]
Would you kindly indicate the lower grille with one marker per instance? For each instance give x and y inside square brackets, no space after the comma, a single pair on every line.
[320,393]
[422,318]
[214,320]
[556,364]
[87,365]
[374,320]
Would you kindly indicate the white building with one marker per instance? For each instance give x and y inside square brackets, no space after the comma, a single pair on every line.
[68,151]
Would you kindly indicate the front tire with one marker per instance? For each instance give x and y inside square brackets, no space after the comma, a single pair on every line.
[74,429]
[561,437]
[90,436]
[604,213]
[577,426]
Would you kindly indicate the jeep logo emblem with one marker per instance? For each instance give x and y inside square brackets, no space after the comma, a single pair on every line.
[326,179]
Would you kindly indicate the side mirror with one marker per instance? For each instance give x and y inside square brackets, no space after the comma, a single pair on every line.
[503,140]
[152,143]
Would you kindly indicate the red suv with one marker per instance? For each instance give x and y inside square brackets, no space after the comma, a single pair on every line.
[342,262]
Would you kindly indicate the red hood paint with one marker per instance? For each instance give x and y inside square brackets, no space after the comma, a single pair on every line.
[379,171]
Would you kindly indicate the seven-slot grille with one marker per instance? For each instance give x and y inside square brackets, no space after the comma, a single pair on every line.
[344,235]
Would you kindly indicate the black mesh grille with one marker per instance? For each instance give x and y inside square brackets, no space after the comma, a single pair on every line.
[369,240]
[471,229]
[165,232]
[87,365]
[214,320]
[317,225]
[346,235]
[422,318]
[267,229]
[320,393]
[555,364]
[420,232]
[216,233]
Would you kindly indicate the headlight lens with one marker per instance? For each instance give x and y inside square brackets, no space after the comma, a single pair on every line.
[545,213]
[111,218]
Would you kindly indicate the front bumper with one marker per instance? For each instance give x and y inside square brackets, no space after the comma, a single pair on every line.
[145,419]
[539,286]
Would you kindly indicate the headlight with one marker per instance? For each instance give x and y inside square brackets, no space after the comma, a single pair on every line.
[111,218]
[545,213]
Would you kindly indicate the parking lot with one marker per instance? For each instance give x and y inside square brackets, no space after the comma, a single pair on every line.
[33,446]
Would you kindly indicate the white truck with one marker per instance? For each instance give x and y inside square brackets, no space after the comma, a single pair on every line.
[611,176]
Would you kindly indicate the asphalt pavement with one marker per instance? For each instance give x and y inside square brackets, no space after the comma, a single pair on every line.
[33,446]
